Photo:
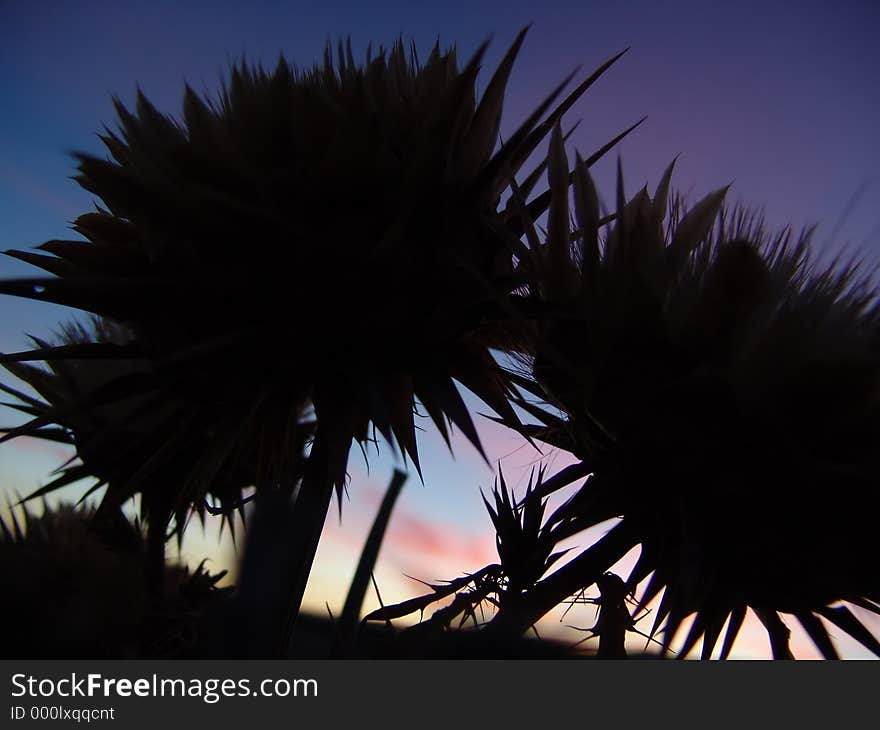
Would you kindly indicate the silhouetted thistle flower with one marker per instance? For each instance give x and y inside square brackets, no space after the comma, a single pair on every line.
[115,441]
[79,590]
[327,237]
[720,388]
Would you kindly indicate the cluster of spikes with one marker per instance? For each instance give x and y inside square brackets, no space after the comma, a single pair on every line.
[80,590]
[718,389]
[528,543]
[324,241]
[115,440]
[525,538]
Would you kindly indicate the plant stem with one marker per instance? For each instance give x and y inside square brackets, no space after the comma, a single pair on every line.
[157,532]
[777,631]
[348,622]
[309,514]
[156,561]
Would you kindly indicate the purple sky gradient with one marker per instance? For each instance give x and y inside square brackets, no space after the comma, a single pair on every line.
[785,104]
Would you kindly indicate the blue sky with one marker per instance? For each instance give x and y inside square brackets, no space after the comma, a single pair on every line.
[781,99]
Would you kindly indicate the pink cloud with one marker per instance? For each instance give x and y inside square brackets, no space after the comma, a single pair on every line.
[415,540]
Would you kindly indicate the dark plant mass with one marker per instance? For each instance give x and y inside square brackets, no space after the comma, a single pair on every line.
[80,590]
[320,256]
[724,399]
[719,390]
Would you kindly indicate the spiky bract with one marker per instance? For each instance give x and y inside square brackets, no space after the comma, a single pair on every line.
[326,237]
[116,440]
[721,387]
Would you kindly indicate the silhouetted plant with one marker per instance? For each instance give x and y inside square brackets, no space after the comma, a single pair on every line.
[116,442]
[354,600]
[526,545]
[78,590]
[720,388]
[328,238]
[297,264]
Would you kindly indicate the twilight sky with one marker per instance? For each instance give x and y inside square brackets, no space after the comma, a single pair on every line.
[784,103]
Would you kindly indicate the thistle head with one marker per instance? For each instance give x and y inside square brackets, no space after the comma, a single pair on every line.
[722,388]
[326,238]
[80,588]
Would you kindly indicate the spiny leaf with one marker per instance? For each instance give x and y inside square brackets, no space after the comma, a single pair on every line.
[538,206]
[24,397]
[586,206]
[562,478]
[52,264]
[661,195]
[558,243]
[528,184]
[497,174]
[402,423]
[83,351]
[70,476]
[817,632]
[450,400]
[714,624]
[698,628]
[737,616]
[541,131]
[695,226]
[844,619]
[487,119]
[366,563]
[421,602]
[777,631]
